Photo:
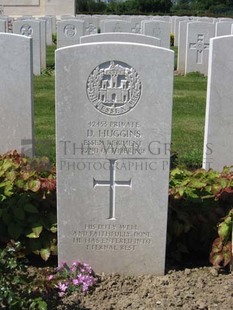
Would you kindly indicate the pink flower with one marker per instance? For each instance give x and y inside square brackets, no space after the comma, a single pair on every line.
[61,294]
[76,282]
[62,286]
[50,277]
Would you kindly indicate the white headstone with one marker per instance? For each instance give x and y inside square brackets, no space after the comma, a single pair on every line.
[16,100]
[120,37]
[69,32]
[2,25]
[66,17]
[115,26]
[113,135]
[158,29]
[197,46]
[6,19]
[49,29]
[223,28]
[43,43]
[91,24]
[54,23]
[31,28]
[136,26]
[218,142]
[182,46]
[176,27]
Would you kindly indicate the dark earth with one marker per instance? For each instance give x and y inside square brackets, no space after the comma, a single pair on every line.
[190,289]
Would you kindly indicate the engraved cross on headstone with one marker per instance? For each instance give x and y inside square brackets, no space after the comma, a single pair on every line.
[112,183]
[91,29]
[117,28]
[137,28]
[26,30]
[199,46]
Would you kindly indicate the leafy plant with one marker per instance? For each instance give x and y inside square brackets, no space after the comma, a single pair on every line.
[221,254]
[197,201]
[28,203]
[54,38]
[15,289]
[172,38]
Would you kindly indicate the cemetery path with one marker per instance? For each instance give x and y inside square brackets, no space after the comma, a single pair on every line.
[190,289]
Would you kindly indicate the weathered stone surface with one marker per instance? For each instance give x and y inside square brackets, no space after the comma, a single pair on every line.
[197,46]
[16,101]
[69,32]
[120,37]
[113,117]
[218,142]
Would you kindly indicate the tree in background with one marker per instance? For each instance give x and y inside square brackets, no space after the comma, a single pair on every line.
[203,7]
[190,7]
[126,7]
[90,6]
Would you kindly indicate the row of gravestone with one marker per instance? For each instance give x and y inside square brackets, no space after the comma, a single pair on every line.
[193,43]
[113,120]
[70,31]
[39,30]
[191,34]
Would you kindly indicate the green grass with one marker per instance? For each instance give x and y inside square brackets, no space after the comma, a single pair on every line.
[44,109]
[188,115]
[188,118]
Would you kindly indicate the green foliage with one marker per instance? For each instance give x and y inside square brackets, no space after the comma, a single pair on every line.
[54,38]
[172,39]
[197,201]
[16,291]
[28,203]
[203,7]
[189,119]
[191,159]
[125,7]
[221,254]
[44,109]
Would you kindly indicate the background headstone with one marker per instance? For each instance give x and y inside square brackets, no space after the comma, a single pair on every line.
[31,28]
[197,46]
[2,25]
[158,29]
[69,32]
[223,28]
[43,43]
[182,46]
[176,27]
[218,142]
[120,37]
[91,24]
[115,26]
[49,29]
[113,135]
[16,100]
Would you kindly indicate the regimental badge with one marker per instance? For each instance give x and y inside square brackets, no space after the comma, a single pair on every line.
[70,31]
[26,30]
[114,88]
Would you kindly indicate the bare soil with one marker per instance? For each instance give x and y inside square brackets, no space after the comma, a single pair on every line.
[190,289]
